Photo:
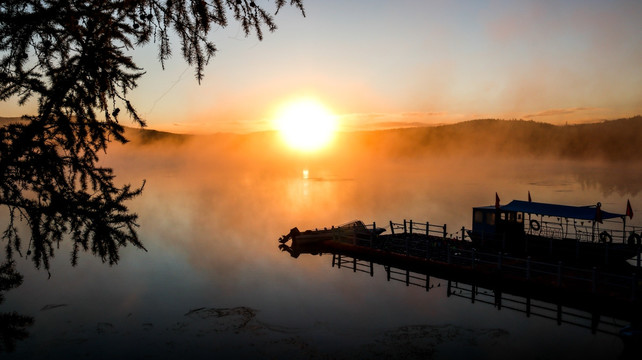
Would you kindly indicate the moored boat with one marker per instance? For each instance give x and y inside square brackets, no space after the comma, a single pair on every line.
[578,234]
[342,233]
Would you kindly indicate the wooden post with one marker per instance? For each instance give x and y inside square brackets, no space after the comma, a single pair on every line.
[448,290]
[463,233]
[528,306]
[371,269]
[594,280]
[354,264]
[406,240]
[445,233]
[392,228]
[407,277]
[499,261]
[634,287]
[410,226]
[427,283]
[339,261]
[405,231]
[388,273]
[373,233]
[428,243]
[528,268]
[559,273]
[472,294]
[472,258]
[334,256]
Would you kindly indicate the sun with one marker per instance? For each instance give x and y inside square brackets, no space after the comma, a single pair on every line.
[306,125]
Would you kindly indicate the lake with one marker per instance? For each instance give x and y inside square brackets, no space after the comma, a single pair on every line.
[214,284]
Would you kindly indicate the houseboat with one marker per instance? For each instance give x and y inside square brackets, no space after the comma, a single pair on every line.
[581,234]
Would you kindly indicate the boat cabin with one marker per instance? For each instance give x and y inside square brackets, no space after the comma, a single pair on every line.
[490,222]
[524,227]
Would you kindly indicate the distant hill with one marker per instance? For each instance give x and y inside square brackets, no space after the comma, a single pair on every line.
[10,120]
[609,140]
[135,135]
[613,140]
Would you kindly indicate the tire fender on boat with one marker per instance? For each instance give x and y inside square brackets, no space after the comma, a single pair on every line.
[635,239]
[606,237]
[535,225]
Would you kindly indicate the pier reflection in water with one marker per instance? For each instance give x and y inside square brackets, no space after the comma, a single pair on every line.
[617,316]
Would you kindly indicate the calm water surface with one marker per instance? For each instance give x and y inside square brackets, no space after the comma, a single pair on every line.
[214,283]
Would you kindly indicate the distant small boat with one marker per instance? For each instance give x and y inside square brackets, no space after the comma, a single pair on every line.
[352,230]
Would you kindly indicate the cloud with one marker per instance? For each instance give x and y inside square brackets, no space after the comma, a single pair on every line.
[380,121]
[558,112]
[423,114]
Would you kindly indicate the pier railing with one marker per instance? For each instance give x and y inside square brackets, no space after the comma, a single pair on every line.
[413,227]
[585,231]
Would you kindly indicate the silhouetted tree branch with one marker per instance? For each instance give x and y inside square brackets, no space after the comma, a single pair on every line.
[72,57]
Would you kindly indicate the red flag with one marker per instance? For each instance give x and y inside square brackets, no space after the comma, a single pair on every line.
[496,201]
[529,196]
[629,210]
[598,213]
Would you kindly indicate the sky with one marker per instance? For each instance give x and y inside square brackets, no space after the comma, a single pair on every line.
[378,63]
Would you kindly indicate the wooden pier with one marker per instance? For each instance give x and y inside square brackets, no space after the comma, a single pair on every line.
[427,255]
[425,247]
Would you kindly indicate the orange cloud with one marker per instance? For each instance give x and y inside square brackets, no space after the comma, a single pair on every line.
[558,112]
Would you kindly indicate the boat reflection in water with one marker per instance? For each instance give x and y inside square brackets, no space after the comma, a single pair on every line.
[600,302]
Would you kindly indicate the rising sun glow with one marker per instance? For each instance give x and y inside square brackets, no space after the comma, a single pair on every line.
[306,125]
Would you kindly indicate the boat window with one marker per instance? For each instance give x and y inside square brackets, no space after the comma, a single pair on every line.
[478,216]
[520,217]
[490,219]
[503,216]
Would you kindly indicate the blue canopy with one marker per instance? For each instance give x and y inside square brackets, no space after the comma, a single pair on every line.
[571,212]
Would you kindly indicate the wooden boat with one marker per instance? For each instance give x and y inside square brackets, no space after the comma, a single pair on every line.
[348,232]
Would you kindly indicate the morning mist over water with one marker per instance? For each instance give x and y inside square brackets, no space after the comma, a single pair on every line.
[214,281]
